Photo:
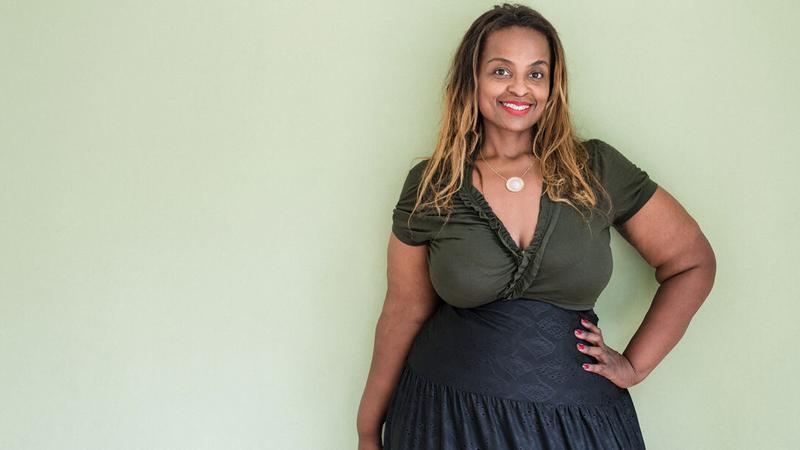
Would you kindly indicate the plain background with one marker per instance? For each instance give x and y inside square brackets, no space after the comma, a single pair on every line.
[196,199]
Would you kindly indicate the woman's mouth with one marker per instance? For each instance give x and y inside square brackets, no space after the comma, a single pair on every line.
[515,109]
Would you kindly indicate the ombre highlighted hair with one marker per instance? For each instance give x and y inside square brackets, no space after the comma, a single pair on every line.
[563,157]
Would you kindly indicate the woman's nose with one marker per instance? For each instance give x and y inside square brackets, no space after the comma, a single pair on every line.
[518,88]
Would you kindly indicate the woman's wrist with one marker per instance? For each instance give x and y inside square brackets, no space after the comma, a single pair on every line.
[367,436]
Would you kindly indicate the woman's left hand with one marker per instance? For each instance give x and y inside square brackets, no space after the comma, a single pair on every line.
[610,363]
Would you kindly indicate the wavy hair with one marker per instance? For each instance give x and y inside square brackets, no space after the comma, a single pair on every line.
[563,157]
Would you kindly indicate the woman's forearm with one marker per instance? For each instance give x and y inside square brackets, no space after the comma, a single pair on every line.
[393,338]
[676,301]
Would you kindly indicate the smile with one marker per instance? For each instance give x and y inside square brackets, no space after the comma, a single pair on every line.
[515,109]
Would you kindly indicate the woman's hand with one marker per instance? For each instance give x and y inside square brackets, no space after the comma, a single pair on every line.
[610,363]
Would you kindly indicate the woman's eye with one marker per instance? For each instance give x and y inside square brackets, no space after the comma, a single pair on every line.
[495,70]
[539,77]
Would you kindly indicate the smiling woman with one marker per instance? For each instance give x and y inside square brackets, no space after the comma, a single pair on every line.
[520,90]
[500,248]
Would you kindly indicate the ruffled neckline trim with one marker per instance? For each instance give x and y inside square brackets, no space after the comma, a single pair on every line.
[473,198]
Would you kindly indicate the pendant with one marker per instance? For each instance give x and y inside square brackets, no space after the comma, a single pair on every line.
[515,184]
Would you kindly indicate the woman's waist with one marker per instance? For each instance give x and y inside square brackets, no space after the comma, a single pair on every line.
[503,321]
[521,348]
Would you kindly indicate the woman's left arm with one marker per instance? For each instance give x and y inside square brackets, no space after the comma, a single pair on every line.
[671,241]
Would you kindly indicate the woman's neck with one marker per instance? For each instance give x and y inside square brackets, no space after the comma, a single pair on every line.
[507,147]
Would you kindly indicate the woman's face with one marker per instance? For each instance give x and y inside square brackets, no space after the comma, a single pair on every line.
[514,67]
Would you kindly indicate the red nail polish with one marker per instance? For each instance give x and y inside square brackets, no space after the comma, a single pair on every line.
[578,332]
[581,346]
[584,321]
[585,366]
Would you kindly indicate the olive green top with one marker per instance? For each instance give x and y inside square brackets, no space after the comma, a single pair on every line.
[473,260]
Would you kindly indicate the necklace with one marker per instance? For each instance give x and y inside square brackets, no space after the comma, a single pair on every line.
[513,184]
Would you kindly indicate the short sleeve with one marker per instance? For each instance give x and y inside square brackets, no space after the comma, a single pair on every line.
[423,224]
[629,186]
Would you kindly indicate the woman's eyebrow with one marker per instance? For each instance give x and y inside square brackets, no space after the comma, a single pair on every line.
[509,61]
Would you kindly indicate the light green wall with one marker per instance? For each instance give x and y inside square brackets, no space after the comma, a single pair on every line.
[196,199]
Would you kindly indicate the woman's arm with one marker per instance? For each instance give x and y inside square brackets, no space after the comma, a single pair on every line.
[410,300]
[670,240]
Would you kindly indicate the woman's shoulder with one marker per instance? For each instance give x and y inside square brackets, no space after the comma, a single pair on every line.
[629,185]
[418,168]
[604,158]
[596,148]
[414,174]
[412,181]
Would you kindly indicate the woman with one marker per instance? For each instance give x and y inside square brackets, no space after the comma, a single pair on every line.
[499,249]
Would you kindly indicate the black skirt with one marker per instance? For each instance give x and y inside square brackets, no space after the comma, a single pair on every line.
[506,375]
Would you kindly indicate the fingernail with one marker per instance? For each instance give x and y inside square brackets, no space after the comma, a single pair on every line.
[585,366]
[581,346]
[584,321]
[578,332]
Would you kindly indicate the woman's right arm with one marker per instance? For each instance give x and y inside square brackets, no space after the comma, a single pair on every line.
[410,300]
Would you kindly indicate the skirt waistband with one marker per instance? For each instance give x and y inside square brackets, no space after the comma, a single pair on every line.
[518,349]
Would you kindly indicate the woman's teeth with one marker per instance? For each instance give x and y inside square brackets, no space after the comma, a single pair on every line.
[517,107]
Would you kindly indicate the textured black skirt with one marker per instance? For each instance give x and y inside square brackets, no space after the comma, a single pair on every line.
[506,375]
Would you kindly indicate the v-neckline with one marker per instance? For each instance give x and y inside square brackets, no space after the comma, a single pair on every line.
[541,219]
